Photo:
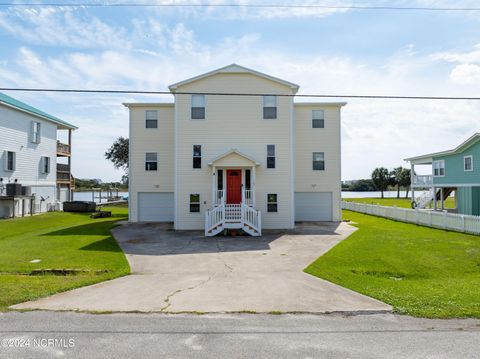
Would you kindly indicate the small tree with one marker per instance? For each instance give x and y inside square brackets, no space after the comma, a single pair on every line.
[396,176]
[405,180]
[118,154]
[381,178]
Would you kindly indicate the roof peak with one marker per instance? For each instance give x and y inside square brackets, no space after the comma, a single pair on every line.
[234,68]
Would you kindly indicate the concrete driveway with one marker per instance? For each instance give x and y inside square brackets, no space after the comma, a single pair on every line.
[185,272]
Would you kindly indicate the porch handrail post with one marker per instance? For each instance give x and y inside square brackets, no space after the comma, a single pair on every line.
[253,181]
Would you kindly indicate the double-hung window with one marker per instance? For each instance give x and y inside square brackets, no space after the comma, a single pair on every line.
[468,163]
[195,203]
[9,162]
[318,161]
[270,156]
[197,156]
[318,120]
[151,119]
[45,163]
[36,135]
[151,161]
[269,107]
[198,107]
[272,204]
[438,168]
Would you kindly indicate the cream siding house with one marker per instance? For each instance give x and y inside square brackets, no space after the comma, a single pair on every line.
[245,161]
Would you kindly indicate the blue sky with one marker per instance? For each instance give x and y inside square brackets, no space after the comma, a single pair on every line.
[324,51]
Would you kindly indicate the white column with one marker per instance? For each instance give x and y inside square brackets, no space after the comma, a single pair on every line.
[441,198]
[253,185]
[435,198]
[214,192]
[412,171]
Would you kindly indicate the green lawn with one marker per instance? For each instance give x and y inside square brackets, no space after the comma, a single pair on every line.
[399,202]
[420,271]
[61,241]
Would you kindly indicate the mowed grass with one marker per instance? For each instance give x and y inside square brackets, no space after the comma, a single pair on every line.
[398,202]
[61,241]
[420,271]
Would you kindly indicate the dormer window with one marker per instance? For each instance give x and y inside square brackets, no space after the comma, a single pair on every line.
[198,107]
[269,107]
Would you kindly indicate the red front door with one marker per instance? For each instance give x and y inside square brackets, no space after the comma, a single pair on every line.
[234,186]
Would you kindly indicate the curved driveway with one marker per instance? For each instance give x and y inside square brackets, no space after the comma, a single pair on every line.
[185,272]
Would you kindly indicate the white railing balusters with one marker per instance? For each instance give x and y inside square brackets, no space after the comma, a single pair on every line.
[442,220]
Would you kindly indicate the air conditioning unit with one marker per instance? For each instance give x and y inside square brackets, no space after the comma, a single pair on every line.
[26,191]
[14,189]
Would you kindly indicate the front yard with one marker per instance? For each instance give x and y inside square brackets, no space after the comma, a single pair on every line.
[73,250]
[420,271]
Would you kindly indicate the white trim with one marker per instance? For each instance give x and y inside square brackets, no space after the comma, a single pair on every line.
[233,68]
[469,142]
[442,162]
[314,104]
[148,104]
[233,150]
[175,165]
[471,163]
[266,202]
[130,172]
[204,107]
[292,164]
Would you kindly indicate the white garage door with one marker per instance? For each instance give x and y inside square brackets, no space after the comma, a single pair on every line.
[155,207]
[313,206]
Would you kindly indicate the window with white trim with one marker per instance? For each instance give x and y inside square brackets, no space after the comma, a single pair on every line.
[438,168]
[36,135]
[318,119]
[197,156]
[151,162]
[270,156]
[272,202]
[269,107]
[194,203]
[318,161]
[45,163]
[151,119]
[198,107]
[468,163]
[9,161]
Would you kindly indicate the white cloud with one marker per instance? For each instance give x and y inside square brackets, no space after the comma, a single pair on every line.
[62,27]
[376,132]
[466,74]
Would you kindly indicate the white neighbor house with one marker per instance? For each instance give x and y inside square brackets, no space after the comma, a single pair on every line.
[211,161]
[28,154]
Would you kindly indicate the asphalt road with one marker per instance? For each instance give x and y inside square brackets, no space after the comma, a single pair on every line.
[76,335]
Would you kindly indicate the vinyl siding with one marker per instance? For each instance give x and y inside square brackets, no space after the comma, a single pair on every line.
[327,140]
[15,135]
[234,122]
[144,140]
[454,172]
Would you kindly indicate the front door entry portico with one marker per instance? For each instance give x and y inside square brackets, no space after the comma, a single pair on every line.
[234,186]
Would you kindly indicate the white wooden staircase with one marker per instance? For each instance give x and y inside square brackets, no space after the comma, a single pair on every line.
[235,216]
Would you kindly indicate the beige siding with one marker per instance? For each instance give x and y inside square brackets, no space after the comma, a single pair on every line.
[234,122]
[144,140]
[327,140]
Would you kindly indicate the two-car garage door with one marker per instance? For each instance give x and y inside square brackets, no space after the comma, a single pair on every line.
[155,207]
[313,206]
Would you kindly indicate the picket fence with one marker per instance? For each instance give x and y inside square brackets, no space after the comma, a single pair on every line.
[443,220]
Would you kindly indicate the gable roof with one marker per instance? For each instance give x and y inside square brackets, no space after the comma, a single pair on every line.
[234,151]
[235,69]
[460,148]
[22,106]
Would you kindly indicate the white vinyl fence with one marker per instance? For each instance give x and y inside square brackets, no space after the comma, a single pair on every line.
[443,220]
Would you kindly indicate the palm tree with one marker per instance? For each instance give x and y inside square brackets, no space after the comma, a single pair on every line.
[396,177]
[405,180]
[381,178]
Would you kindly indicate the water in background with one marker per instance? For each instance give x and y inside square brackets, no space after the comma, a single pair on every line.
[87,196]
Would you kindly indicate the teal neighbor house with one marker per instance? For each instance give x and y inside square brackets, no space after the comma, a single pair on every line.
[454,172]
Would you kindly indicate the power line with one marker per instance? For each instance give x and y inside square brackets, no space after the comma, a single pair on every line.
[138,92]
[288,6]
